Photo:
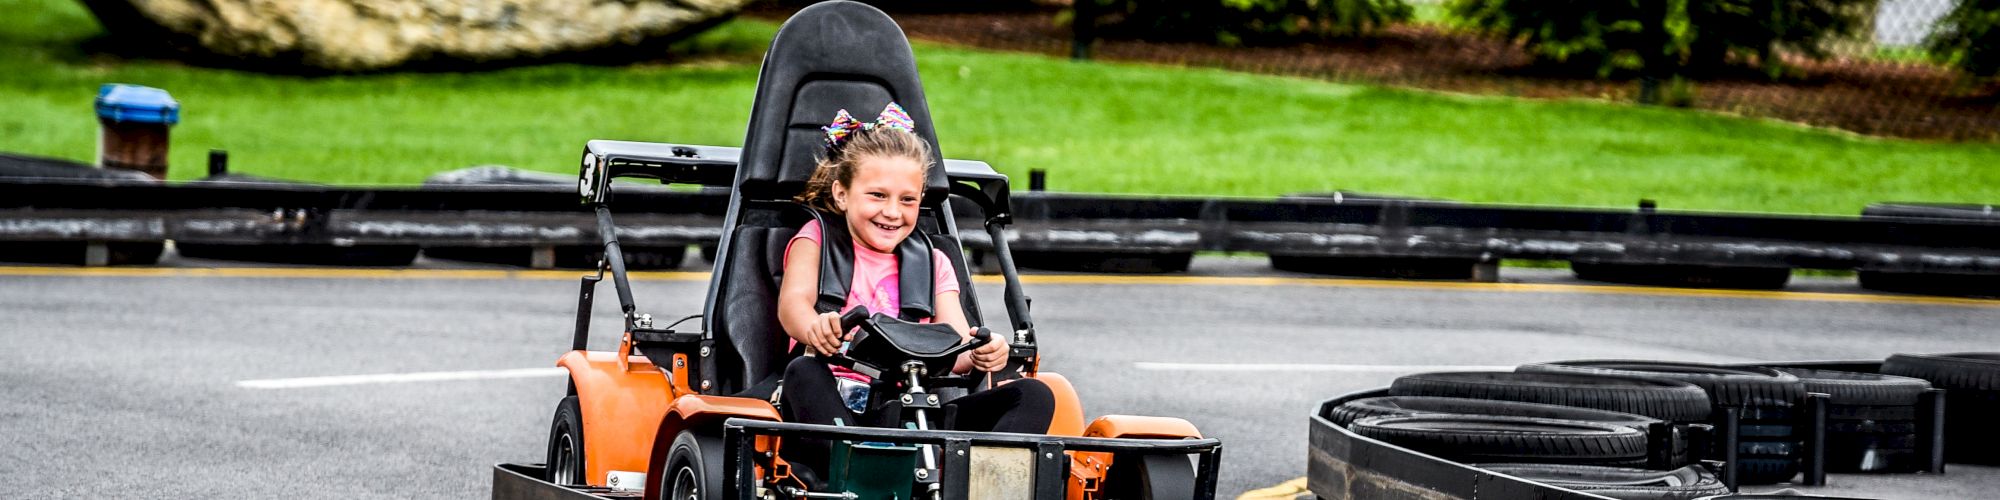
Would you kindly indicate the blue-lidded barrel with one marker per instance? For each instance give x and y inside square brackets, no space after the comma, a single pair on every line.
[133,123]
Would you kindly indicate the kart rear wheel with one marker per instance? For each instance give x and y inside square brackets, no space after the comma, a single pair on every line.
[1146,477]
[694,467]
[565,457]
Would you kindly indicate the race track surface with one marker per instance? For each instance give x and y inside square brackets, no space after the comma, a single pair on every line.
[135,386]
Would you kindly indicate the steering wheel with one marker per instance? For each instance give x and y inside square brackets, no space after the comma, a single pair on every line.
[891,347]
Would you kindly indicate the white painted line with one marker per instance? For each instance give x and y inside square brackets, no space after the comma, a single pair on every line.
[1307,367]
[398,378]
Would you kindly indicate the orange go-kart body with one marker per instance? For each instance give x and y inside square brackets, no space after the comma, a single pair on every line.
[632,407]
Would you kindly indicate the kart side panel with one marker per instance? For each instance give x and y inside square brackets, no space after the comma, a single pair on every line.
[691,411]
[1134,426]
[622,407]
[1068,419]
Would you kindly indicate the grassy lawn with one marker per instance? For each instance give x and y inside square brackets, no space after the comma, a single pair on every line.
[1094,127]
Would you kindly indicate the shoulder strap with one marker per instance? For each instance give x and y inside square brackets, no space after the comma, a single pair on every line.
[836,262]
[917,286]
[836,270]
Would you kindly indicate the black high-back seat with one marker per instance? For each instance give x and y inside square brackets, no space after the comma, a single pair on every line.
[830,56]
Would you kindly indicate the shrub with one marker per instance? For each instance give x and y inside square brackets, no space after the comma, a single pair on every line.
[1663,36]
[1232,22]
[1969,37]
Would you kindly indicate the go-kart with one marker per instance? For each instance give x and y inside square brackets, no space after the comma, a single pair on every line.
[689,414]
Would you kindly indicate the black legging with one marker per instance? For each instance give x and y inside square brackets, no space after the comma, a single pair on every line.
[811,396]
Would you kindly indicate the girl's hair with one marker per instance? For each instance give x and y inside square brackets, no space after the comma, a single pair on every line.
[839,164]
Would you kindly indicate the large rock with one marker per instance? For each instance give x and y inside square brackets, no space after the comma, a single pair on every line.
[361,35]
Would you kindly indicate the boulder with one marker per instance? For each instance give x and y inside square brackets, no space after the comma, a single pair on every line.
[365,35]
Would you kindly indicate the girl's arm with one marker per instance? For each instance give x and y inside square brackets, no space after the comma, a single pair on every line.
[988,358]
[798,291]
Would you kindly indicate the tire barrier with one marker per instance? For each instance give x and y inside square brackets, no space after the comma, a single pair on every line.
[1932,282]
[1343,234]
[1972,380]
[1543,431]
[1765,398]
[84,251]
[1871,418]
[545,256]
[1490,438]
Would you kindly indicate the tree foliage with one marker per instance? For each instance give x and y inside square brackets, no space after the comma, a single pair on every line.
[1665,36]
[1233,22]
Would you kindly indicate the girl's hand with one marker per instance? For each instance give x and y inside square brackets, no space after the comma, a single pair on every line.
[823,335]
[992,357]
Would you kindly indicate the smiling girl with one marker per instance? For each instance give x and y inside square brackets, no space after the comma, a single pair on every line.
[873,179]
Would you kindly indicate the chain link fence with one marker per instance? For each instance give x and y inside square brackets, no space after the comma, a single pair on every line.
[1878,80]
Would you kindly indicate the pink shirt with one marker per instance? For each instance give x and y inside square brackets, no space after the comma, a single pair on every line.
[876,280]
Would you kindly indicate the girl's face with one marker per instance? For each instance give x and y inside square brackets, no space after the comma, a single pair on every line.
[880,202]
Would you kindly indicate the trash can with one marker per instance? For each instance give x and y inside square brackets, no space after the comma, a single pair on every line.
[133,123]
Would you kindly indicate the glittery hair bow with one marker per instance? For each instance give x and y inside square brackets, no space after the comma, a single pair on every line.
[844,125]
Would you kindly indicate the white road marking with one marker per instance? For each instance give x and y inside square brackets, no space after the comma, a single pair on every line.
[1309,367]
[398,378]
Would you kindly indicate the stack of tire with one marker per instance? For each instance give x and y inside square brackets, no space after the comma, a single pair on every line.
[1768,445]
[1585,433]
[1972,388]
[1871,421]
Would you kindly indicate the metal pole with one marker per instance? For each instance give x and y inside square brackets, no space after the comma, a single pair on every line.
[615,259]
[1731,426]
[218,162]
[1930,431]
[1815,423]
[1017,300]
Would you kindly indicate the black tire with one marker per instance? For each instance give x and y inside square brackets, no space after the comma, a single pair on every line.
[694,467]
[1869,427]
[1409,268]
[1764,431]
[1662,399]
[1968,370]
[1766,470]
[1972,399]
[1684,276]
[1726,385]
[1147,477]
[1765,394]
[1767,449]
[1121,262]
[1486,438]
[565,450]
[1412,405]
[1619,482]
[1902,413]
[1855,389]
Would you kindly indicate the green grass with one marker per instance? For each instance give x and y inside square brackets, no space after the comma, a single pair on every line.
[1095,127]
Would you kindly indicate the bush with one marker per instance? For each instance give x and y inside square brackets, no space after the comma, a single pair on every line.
[1665,36]
[1233,22]
[1969,37]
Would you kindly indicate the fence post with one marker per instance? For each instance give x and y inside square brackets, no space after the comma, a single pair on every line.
[1083,26]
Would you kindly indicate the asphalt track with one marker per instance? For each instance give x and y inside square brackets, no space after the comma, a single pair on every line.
[181,382]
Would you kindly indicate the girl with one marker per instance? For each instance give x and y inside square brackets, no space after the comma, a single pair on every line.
[873,177]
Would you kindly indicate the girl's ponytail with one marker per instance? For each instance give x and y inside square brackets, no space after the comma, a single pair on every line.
[819,188]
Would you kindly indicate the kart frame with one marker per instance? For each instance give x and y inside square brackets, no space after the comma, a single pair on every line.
[654,410]
[749,437]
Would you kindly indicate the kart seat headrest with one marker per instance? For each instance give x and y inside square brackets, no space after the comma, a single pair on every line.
[830,56]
